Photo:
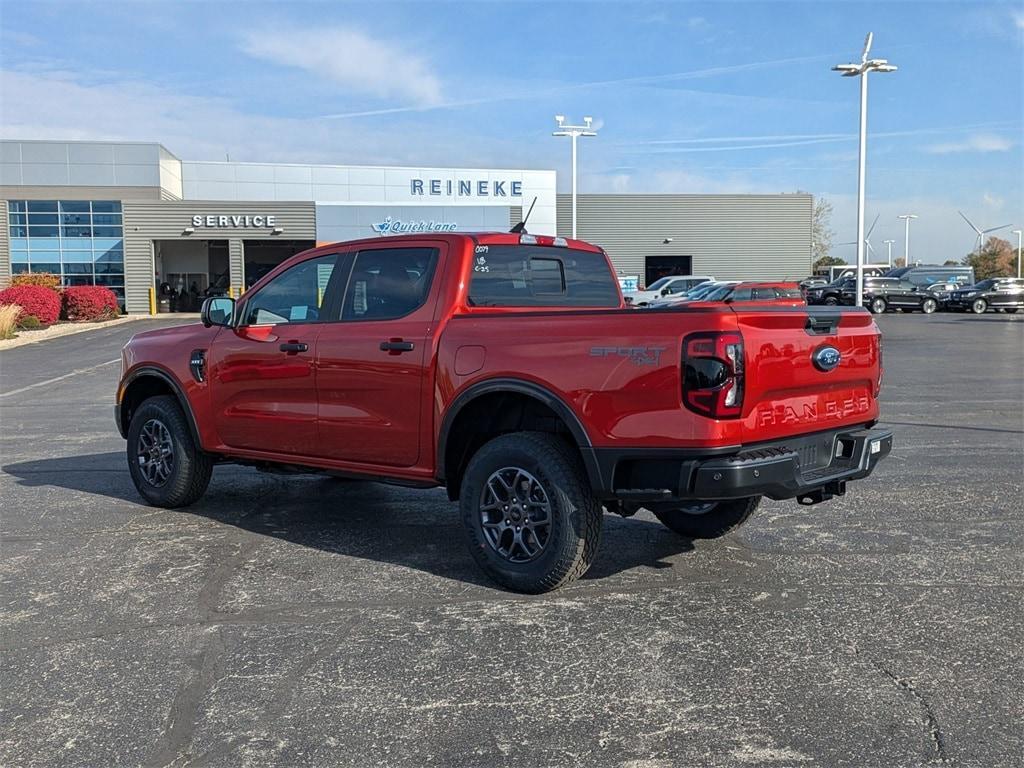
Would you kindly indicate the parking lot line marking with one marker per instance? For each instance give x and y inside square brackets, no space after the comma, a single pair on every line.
[60,378]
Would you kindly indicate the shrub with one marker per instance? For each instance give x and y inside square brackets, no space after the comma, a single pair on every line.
[9,320]
[44,303]
[42,279]
[89,302]
[29,322]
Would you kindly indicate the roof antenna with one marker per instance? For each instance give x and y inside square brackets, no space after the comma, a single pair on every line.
[520,228]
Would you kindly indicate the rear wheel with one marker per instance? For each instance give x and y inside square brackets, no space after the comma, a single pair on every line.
[878,306]
[1012,310]
[929,305]
[708,519]
[166,465]
[531,521]
[979,306]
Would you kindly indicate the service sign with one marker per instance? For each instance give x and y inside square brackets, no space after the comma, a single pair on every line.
[242,221]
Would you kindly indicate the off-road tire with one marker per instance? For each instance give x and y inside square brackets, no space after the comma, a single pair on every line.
[191,468]
[576,518]
[726,516]
[831,301]
[878,306]
[928,306]
[979,306]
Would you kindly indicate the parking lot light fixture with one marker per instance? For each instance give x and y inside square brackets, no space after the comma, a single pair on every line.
[906,237]
[889,257]
[574,132]
[862,70]
[1017,232]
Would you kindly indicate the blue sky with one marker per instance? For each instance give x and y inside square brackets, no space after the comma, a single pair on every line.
[689,97]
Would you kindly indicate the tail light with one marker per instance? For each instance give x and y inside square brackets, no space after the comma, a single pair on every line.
[881,369]
[713,374]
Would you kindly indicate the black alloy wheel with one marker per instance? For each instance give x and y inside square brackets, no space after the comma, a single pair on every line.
[167,467]
[515,514]
[707,519]
[531,521]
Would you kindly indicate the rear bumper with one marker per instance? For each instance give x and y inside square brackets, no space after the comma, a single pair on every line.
[806,467]
[778,473]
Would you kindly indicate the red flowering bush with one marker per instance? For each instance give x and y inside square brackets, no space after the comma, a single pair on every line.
[89,302]
[36,300]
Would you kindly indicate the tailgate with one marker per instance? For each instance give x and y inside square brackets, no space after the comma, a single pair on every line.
[795,382]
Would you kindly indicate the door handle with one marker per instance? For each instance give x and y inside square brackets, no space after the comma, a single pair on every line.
[397,345]
[293,347]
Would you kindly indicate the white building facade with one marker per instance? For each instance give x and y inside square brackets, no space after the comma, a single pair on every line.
[134,217]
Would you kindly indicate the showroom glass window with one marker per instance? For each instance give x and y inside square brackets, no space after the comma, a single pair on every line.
[80,240]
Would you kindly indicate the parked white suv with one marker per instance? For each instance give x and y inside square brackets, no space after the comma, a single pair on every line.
[667,286]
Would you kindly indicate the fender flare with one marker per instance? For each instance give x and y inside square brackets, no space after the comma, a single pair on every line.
[179,394]
[530,389]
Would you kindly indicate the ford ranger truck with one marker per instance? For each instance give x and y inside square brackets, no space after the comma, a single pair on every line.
[507,369]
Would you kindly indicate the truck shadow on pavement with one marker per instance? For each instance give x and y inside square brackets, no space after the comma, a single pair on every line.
[369,521]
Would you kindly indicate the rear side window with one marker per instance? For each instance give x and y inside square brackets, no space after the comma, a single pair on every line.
[389,283]
[788,293]
[538,276]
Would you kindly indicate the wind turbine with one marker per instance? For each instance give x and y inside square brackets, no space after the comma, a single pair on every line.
[980,232]
[867,237]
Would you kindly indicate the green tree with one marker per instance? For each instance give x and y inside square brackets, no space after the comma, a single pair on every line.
[996,258]
[828,261]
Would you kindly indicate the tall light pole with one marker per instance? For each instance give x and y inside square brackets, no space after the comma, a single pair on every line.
[574,132]
[1017,232]
[907,217]
[889,258]
[861,70]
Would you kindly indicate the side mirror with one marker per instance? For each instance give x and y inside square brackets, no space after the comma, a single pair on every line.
[218,310]
[665,291]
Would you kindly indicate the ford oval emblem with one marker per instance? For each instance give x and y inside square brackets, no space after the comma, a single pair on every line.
[826,358]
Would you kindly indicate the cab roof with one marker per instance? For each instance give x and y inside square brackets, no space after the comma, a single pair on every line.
[477,238]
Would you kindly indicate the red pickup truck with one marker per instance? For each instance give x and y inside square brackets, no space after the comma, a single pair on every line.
[507,369]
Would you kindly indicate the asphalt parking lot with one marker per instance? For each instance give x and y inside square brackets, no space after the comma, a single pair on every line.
[307,621]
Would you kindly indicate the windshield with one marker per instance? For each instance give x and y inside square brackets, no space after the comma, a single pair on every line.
[701,290]
[719,293]
[659,283]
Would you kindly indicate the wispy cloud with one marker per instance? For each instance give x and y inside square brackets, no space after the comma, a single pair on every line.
[532,94]
[978,142]
[350,58]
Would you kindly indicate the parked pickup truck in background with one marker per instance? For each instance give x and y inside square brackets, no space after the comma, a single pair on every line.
[506,369]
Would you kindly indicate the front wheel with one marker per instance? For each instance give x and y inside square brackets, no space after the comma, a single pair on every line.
[168,468]
[708,519]
[878,306]
[831,301]
[929,305]
[979,306]
[531,521]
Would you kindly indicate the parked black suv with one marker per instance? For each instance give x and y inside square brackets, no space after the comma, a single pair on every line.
[1005,293]
[830,294]
[884,293]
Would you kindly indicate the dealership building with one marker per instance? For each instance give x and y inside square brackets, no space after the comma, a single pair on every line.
[135,217]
